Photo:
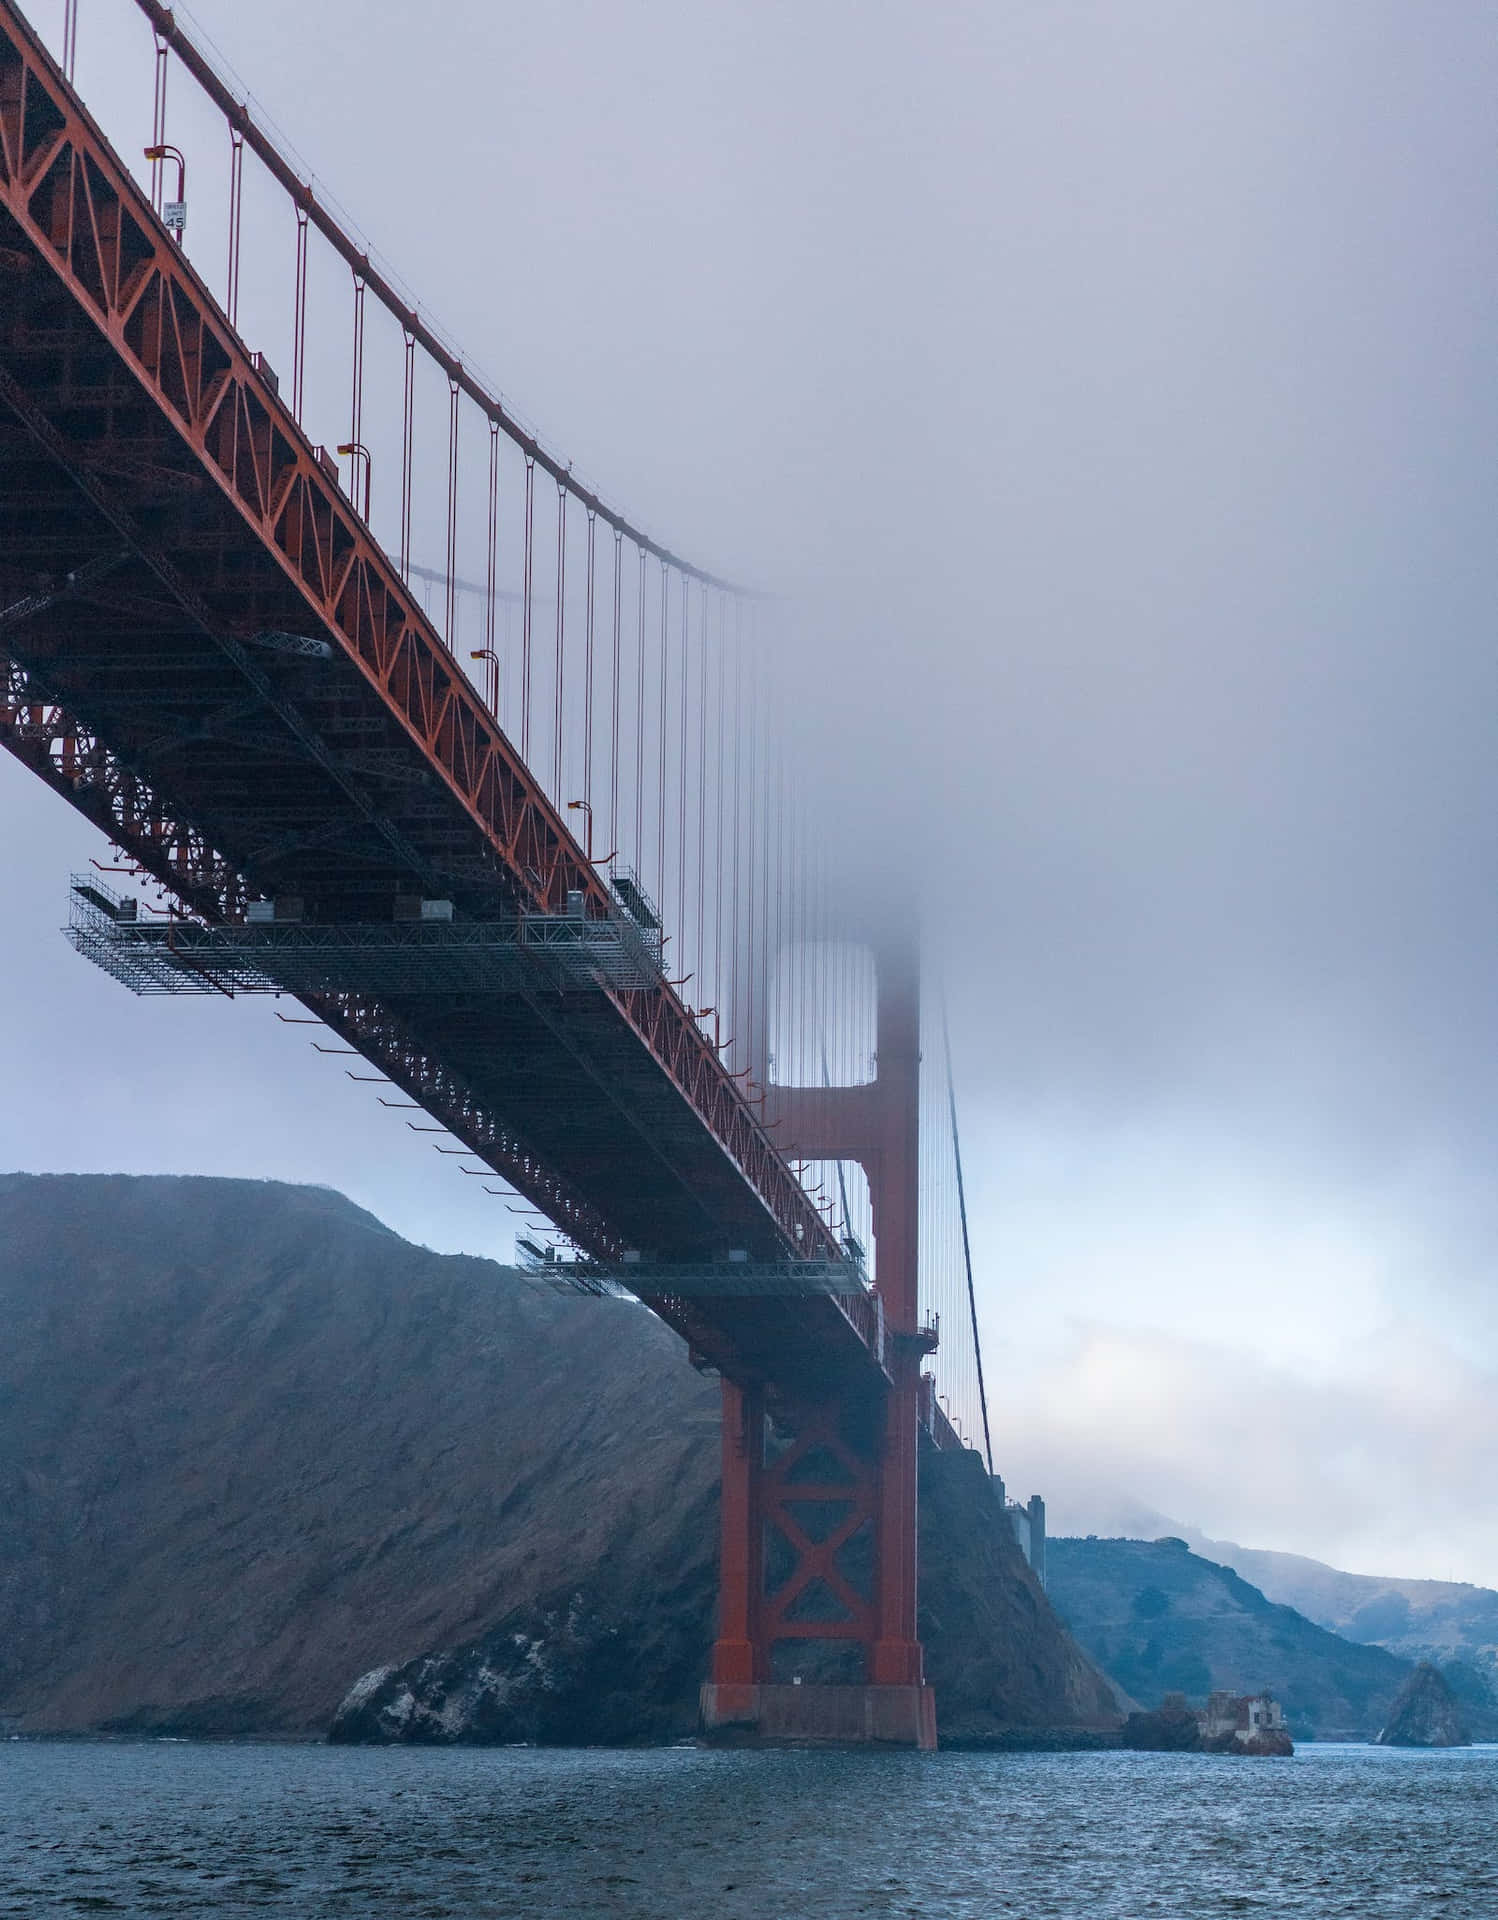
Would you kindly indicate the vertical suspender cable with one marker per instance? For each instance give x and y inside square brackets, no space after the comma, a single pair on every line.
[450,632]
[770,782]
[408,449]
[778,1026]
[681,798]
[808,993]
[813,957]
[751,1001]
[738,782]
[491,569]
[613,839]
[527,572]
[559,719]
[69,40]
[299,323]
[158,122]
[588,675]
[236,195]
[719,873]
[661,754]
[842,1170]
[799,1027]
[704,998]
[967,1251]
[791,959]
[640,719]
[356,403]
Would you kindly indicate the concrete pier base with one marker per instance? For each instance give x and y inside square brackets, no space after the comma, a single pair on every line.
[833,1716]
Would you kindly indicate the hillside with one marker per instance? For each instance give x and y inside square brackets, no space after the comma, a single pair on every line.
[1158,1618]
[1449,1622]
[1438,1620]
[252,1445]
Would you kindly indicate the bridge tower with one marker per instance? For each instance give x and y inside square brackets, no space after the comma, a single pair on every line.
[817,1635]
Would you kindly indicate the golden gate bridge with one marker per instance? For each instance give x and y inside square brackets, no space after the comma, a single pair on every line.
[407,725]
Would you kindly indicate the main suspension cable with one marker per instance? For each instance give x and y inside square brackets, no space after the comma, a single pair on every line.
[967,1250]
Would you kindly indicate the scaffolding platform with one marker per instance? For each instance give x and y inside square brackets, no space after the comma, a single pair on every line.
[731,1277]
[565,951]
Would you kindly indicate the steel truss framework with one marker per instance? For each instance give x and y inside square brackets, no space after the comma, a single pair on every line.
[49,740]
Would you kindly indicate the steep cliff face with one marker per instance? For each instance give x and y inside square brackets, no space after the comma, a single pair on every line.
[993,1649]
[253,1445]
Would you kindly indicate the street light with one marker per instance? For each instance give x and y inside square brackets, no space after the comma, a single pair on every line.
[173,212]
[491,675]
[355,450]
[585,808]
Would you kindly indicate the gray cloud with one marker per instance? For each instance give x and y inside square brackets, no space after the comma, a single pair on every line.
[1383,1468]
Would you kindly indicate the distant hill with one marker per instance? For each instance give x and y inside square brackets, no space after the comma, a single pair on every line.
[1444,1621]
[1158,1618]
[253,1445]
[1448,1622]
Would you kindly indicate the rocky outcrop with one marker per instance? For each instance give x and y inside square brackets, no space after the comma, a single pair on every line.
[1425,1714]
[253,1445]
[1171,1727]
[1271,1744]
[572,1677]
[1225,1727]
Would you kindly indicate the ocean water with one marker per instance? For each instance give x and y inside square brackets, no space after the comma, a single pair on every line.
[164,1828]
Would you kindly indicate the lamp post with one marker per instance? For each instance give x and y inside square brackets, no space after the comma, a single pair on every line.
[173,212]
[586,811]
[491,677]
[355,451]
[585,808]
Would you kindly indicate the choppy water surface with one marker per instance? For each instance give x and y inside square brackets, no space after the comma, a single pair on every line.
[165,1829]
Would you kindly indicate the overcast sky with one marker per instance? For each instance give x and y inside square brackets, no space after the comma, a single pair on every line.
[1110,386]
